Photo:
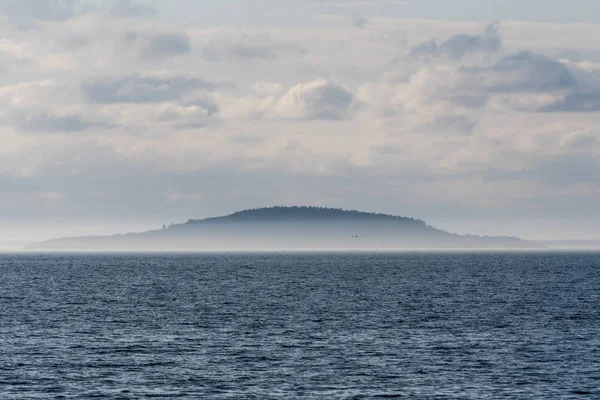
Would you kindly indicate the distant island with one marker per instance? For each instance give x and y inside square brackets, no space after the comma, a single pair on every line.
[289,228]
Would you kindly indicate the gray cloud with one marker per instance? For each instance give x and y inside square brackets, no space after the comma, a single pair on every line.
[360,22]
[50,123]
[45,121]
[27,12]
[167,45]
[529,72]
[452,124]
[23,11]
[578,101]
[156,46]
[131,8]
[460,45]
[249,47]
[536,82]
[137,88]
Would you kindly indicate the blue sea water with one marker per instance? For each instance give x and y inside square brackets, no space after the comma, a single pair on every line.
[324,326]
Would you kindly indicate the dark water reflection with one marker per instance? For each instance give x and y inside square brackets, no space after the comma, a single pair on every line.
[444,326]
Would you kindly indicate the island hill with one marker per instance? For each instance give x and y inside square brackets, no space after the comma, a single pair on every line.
[291,228]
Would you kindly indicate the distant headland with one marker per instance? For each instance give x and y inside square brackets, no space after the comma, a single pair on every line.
[290,228]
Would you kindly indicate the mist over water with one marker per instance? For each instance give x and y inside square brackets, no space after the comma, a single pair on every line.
[319,325]
[289,228]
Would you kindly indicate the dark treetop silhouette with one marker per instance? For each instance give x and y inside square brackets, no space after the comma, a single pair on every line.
[290,228]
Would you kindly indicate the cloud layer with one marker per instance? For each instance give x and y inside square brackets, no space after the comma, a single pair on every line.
[114,109]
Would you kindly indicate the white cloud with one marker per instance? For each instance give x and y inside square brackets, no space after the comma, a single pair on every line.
[580,140]
[320,99]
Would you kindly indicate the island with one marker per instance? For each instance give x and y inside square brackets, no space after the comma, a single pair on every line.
[289,228]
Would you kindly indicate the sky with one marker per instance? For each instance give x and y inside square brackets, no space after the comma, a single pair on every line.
[478,116]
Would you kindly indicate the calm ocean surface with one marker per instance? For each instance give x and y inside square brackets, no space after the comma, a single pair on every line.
[262,326]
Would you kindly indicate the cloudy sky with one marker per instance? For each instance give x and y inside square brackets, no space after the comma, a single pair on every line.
[478,116]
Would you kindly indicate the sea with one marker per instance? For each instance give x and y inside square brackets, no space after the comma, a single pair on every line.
[414,325]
